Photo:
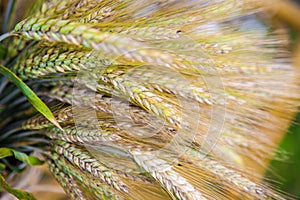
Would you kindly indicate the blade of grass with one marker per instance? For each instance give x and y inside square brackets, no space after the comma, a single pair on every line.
[30,95]
[17,193]
[31,160]
[2,167]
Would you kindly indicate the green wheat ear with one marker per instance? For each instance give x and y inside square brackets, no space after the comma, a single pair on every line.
[148,99]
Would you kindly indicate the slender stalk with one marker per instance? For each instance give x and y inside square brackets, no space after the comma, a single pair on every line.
[6,35]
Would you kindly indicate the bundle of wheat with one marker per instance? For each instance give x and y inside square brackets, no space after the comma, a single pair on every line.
[154,99]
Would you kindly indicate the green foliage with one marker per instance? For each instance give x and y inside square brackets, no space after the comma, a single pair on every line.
[288,171]
[2,52]
[31,160]
[31,96]
[22,195]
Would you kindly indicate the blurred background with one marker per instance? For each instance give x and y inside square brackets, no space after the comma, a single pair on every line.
[287,172]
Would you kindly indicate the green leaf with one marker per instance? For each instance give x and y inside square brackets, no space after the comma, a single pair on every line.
[5,152]
[2,167]
[31,160]
[20,194]
[2,52]
[30,95]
